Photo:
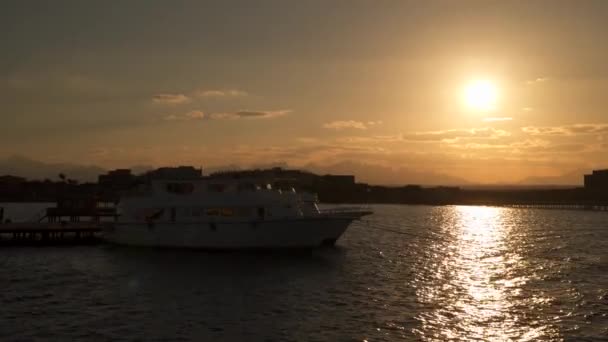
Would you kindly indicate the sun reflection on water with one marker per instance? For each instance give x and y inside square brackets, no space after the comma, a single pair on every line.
[470,279]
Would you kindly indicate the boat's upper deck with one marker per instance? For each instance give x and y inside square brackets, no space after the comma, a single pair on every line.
[189,198]
[203,186]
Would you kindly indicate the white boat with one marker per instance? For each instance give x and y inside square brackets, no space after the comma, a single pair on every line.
[225,214]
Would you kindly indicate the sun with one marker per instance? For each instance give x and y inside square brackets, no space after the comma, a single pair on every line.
[481,95]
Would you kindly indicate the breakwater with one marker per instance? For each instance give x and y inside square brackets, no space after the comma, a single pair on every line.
[571,198]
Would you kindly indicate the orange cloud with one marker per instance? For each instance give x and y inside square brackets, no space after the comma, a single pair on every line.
[340,125]
[576,129]
[245,114]
[456,134]
[221,93]
[250,114]
[170,99]
[537,80]
[192,115]
[497,119]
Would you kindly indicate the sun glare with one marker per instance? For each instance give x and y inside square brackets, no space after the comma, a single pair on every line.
[481,95]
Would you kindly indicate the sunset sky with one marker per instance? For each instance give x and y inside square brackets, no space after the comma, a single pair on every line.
[380,87]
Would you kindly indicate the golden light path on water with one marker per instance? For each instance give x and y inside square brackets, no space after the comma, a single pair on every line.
[473,280]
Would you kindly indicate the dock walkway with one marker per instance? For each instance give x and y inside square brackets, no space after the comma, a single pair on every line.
[51,232]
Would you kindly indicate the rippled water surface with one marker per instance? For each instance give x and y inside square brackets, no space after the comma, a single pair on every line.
[407,273]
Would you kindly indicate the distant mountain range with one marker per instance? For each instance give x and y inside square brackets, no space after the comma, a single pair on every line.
[32,169]
[367,173]
[384,175]
[571,178]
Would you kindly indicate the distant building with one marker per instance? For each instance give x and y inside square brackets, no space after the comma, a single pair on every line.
[11,187]
[339,180]
[275,175]
[8,179]
[597,180]
[116,179]
[180,172]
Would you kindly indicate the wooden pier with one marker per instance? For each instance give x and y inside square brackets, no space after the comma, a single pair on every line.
[74,220]
[51,233]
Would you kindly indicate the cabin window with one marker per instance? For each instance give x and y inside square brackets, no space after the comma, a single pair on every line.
[261,212]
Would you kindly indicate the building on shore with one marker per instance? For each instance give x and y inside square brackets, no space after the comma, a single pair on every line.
[116,179]
[276,176]
[180,172]
[339,180]
[11,183]
[597,180]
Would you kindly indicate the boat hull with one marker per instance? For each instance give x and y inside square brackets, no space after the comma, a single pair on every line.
[300,233]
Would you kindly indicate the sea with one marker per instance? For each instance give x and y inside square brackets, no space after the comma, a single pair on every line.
[405,273]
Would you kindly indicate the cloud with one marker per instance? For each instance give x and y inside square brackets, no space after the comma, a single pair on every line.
[170,99]
[261,114]
[453,135]
[525,147]
[560,148]
[245,114]
[178,98]
[570,130]
[376,139]
[532,130]
[537,80]
[196,114]
[221,93]
[192,115]
[588,128]
[497,119]
[250,114]
[340,125]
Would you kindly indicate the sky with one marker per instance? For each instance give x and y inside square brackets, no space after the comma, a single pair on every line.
[376,87]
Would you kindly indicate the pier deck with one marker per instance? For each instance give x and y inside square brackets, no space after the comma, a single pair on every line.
[50,233]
